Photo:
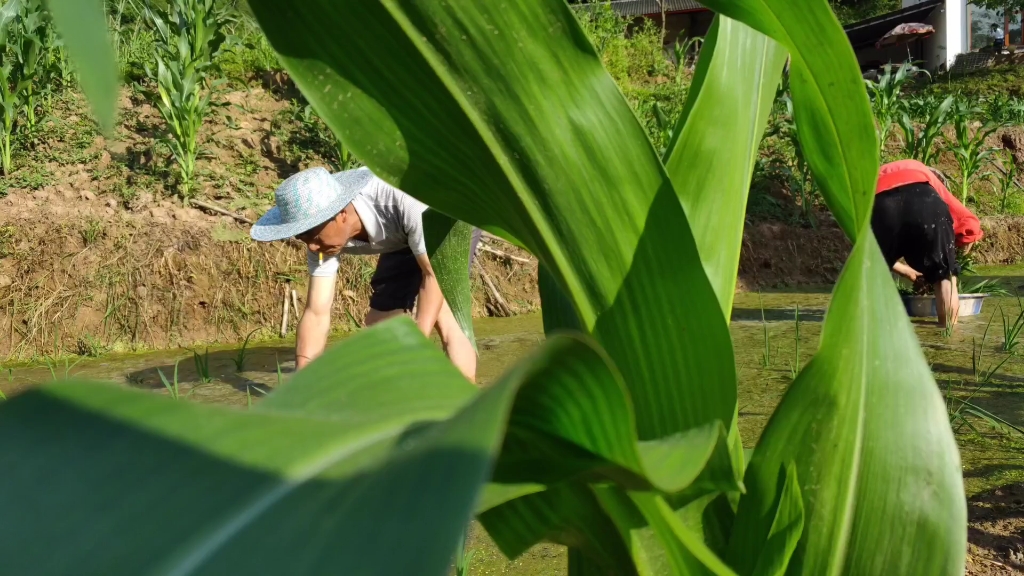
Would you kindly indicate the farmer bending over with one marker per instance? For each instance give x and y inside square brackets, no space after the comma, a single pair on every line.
[917,219]
[358,213]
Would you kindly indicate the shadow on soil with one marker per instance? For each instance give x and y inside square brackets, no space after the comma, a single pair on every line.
[259,365]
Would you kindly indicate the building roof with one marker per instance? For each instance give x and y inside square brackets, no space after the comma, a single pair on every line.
[867,32]
[648,7]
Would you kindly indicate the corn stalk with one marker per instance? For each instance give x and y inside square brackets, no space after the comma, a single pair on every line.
[969,149]
[920,144]
[189,37]
[21,42]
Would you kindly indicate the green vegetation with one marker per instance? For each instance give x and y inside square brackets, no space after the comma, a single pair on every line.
[189,37]
[970,149]
[618,436]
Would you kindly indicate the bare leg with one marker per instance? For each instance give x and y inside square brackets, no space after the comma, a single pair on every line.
[458,348]
[375,316]
[947,302]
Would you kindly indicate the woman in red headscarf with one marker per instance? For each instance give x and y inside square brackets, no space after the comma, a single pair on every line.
[916,218]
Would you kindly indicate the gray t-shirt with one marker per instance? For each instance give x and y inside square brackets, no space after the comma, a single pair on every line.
[392,219]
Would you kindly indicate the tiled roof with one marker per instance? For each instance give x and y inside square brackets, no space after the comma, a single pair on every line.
[647,7]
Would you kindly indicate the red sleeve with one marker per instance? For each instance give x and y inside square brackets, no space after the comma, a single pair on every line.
[966,225]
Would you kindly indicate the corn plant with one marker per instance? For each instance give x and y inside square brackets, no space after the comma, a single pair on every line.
[1004,109]
[887,98]
[686,51]
[618,435]
[21,43]
[189,37]
[920,144]
[1004,178]
[969,148]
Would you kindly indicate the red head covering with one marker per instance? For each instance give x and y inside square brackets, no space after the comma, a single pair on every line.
[966,225]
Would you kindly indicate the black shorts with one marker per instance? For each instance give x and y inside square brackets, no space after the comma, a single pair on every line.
[396,282]
[913,222]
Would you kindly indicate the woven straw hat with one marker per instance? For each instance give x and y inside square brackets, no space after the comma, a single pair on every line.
[307,200]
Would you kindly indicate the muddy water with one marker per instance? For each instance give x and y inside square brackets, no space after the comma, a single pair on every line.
[990,460]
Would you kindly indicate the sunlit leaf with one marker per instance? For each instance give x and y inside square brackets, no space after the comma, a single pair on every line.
[716,142]
[550,153]
[831,106]
[868,431]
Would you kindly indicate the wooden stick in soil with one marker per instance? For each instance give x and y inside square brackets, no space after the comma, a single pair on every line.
[284,314]
[295,307]
[221,211]
[500,307]
[501,254]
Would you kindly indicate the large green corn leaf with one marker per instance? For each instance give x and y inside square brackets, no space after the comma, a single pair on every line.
[448,244]
[867,428]
[541,146]
[136,483]
[82,25]
[712,154]
[829,100]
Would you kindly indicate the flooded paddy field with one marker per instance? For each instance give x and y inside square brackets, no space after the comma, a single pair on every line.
[770,346]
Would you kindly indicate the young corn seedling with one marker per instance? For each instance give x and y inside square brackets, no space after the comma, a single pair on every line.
[10,379]
[887,99]
[969,149]
[1004,179]
[172,386]
[686,51]
[189,37]
[21,43]
[239,359]
[920,144]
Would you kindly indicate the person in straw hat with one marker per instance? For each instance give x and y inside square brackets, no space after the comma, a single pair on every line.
[356,212]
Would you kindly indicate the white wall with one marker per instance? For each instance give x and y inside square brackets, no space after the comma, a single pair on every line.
[950,38]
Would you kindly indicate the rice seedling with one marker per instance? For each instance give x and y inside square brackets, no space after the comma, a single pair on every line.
[202,363]
[983,375]
[766,353]
[239,359]
[990,286]
[463,557]
[53,363]
[969,149]
[1011,330]
[794,366]
[10,379]
[171,386]
[189,37]
[920,144]
[887,99]
[1004,179]
[248,393]
[960,408]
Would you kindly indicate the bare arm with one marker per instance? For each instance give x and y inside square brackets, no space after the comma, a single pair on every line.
[906,271]
[316,320]
[430,298]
